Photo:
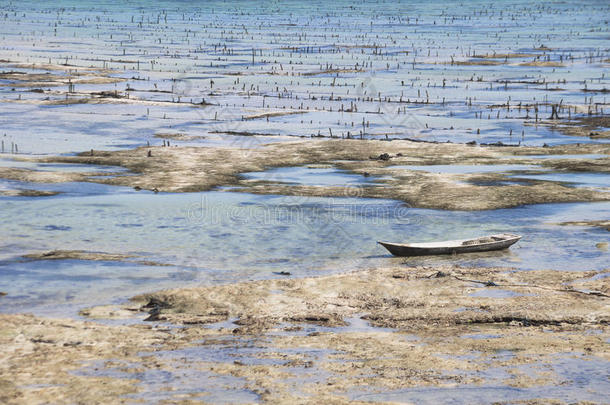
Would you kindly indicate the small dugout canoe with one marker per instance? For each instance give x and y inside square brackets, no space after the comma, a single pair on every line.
[448,247]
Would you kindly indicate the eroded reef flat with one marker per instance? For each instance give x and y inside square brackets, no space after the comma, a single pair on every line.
[192,169]
[319,338]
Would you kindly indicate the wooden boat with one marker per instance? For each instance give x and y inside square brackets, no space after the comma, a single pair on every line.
[482,244]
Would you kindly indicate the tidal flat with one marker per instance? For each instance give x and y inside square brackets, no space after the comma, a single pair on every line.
[192,195]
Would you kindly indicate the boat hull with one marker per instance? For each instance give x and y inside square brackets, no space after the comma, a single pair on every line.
[398,249]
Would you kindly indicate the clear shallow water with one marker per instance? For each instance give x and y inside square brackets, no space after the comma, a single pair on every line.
[578,378]
[230,349]
[392,60]
[226,237]
[595,180]
[157,385]
[71,189]
[311,176]
[402,51]
[582,379]
[60,167]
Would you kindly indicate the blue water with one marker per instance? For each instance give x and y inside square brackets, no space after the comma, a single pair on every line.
[223,236]
[401,50]
[594,180]
[311,177]
[265,57]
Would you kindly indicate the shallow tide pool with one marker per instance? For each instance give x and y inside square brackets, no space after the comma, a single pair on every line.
[311,176]
[599,181]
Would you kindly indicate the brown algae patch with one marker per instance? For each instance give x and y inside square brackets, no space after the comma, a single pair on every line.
[90,256]
[409,299]
[332,71]
[99,98]
[542,63]
[22,79]
[603,224]
[440,190]
[496,59]
[77,255]
[505,55]
[73,77]
[271,114]
[601,165]
[28,193]
[37,357]
[478,62]
[38,176]
[190,169]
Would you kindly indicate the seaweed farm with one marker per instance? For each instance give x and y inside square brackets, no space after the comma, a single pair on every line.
[192,195]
